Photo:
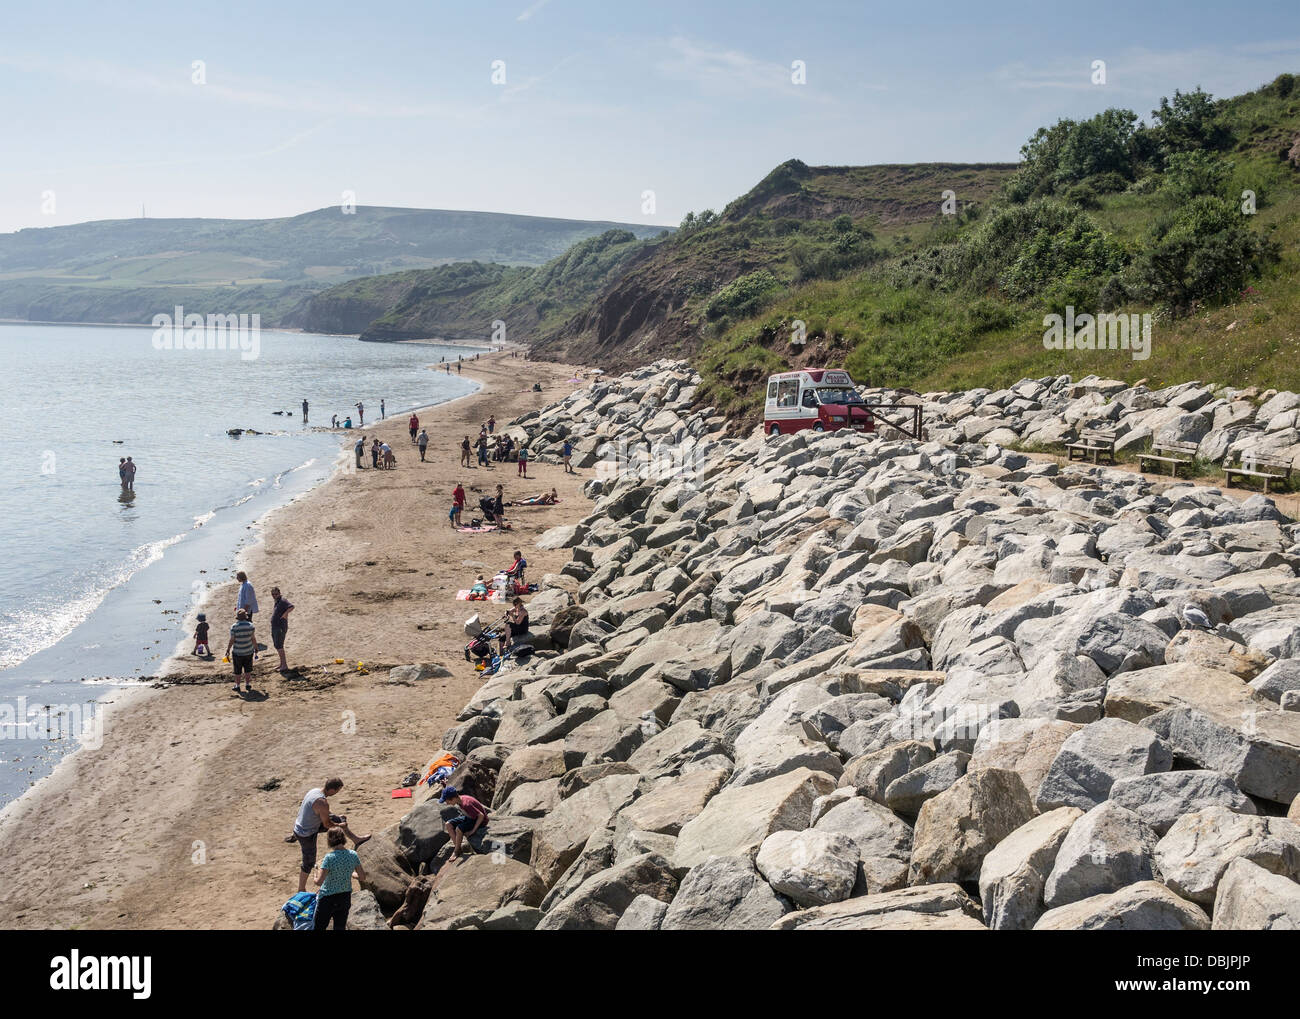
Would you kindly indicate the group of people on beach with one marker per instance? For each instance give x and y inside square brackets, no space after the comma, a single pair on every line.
[242,646]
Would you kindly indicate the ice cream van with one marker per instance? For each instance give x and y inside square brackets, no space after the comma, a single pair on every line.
[823,399]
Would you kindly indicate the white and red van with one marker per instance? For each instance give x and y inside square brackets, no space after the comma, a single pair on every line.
[823,399]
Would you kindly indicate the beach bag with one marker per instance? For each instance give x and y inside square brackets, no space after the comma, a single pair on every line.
[301,911]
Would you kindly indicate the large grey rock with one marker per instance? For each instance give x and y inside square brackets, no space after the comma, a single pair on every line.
[1014,874]
[724,893]
[1092,759]
[1106,849]
[957,829]
[1161,799]
[907,793]
[810,867]
[1196,851]
[883,839]
[1027,746]
[472,888]
[1251,898]
[1144,906]
[924,907]
[737,820]
[674,801]
[559,838]
[644,913]
[599,902]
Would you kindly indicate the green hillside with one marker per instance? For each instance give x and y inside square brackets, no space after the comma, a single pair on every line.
[126,270]
[1107,215]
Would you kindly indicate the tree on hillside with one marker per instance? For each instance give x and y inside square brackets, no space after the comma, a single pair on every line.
[1189,121]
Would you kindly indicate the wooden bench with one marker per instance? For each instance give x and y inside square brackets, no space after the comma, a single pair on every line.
[1175,454]
[1093,443]
[1254,465]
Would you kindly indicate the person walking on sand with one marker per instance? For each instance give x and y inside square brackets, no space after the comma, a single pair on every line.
[457,504]
[280,625]
[361,414]
[492,424]
[247,597]
[243,644]
[414,426]
[422,441]
[334,879]
[464,452]
[360,450]
[472,819]
[523,462]
[313,815]
[130,474]
[457,367]
[304,412]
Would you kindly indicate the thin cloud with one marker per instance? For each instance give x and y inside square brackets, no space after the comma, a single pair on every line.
[532,10]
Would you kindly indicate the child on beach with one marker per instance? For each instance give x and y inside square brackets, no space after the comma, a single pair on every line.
[472,818]
[457,504]
[201,637]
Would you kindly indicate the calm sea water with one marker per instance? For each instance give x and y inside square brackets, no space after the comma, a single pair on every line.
[94,585]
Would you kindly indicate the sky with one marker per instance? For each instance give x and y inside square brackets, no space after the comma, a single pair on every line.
[589,109]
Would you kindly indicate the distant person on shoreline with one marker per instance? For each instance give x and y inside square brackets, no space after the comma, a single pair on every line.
[464,453]
[304,412]
[457,367]
[130,474]
[121,471]
[313,815]
[414,426]
[247,598]
[422,441]
[360,450]
[334,421]
[382,411]
[201,637]
[280,624]
[334,878]
[243,644]
[361,414]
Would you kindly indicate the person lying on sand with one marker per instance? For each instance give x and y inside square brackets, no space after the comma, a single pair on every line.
[314,815]
[541,499]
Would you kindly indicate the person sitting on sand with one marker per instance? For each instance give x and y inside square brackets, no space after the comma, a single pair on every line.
[472,818]
[515,571]
[334,878]
[243,642]
[313,815]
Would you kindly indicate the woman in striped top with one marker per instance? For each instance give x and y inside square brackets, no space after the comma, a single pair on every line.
[243,643]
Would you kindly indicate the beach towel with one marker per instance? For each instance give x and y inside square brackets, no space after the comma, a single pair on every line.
[301,911]
[477,530]
[401,794]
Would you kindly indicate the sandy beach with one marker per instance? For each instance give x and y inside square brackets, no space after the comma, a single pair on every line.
[178,819]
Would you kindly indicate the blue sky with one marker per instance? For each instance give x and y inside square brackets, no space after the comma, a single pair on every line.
[602,101]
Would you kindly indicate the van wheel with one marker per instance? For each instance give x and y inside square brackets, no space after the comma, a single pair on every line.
[774,430]
[819,427]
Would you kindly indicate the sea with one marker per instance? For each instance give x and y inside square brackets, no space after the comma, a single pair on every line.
[95,582]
